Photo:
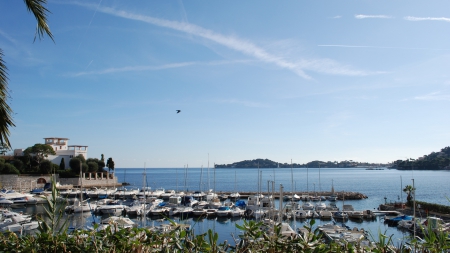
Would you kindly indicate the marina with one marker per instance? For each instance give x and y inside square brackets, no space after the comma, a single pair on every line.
[154,212]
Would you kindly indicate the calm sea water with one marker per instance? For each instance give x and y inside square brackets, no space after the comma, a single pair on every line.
[378,185]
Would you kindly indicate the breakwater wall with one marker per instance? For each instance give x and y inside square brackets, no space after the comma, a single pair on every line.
[339,195]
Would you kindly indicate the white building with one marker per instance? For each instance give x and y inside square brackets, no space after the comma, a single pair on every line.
[62,150]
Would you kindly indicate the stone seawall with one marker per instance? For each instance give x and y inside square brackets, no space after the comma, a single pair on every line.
[25,183]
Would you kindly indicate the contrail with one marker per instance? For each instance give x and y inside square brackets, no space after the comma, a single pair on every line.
[406,48]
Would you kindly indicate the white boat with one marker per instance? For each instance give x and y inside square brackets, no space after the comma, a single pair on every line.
[237,212]
[325,214]
[159,210]
[340,215]
[80,207]
[355,214]
[215,203]
[113,208]
[186,211]
[308,206]
[211,195]
[320,206]
[234,196]
[167,194]
[114,222]
[332,198]
[157,193]
[16,222]
[136,208]
[199,195]
[144,192]
[5,202]
[199,211]
[18,199]
[259,214]
[303,214]
[223,211]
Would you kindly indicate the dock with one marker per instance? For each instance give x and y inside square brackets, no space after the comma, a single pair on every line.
[340,195]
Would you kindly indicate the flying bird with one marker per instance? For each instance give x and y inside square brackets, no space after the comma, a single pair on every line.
[178,111]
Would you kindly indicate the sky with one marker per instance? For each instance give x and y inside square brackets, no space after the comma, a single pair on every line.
[358,80]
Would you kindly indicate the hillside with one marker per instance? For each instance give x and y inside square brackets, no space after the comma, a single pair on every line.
[433,161]
[266,163]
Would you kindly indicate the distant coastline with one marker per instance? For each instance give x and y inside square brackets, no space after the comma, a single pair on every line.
[266,163]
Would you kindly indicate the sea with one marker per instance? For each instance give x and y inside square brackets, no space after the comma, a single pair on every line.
[381,185]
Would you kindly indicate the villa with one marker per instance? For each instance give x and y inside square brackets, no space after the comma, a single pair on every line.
[62,150]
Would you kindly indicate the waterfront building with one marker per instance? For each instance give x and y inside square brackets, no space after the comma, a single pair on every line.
[62,149]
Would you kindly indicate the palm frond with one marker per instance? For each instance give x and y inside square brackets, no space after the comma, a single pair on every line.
[6,119]
[40,13]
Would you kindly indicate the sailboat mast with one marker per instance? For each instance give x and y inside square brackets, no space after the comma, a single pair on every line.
[307,180]
[201,179]
[209,186]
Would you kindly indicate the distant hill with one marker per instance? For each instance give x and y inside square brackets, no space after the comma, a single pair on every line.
[433,161]
[266,163]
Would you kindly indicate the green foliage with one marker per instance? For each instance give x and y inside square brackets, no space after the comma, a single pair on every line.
[7,168]
[46,167]
[18,164]
[92,166]
[39,151]
[433,161]
[99,164]
[4,148]
[75,162]
[10,169]
[430,207]
[53,237]
[62,164]
[110,164]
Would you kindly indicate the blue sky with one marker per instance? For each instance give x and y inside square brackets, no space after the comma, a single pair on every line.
[301,80]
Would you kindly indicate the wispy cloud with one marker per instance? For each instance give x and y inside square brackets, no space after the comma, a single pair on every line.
[410,18]
[132,68]
[361,16]
[406,48]
[241,102]
[434,96]
[6,36]
[147,68]
[338,16]
[232,42]
[329,66]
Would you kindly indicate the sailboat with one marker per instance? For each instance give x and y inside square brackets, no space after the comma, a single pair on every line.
[80,206]
[235,195]
[332,197]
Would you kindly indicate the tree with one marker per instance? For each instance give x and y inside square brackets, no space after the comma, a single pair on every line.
[4,148]
[40,152]
[46,167]
[110,164]
[409,190]
[18,164]
[92,166]
[62,164]
[6,113]
[99,164]
[10,169]
[75,163]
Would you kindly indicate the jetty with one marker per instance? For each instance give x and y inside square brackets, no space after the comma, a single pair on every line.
[340,195]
